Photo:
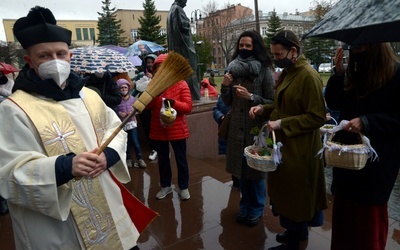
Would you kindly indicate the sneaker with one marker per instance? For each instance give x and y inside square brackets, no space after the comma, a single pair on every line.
[184,194]
[141,163]
[163,192]
[136,164]
[129,163]
[153,155]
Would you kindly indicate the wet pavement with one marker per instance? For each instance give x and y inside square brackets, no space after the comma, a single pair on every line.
[207,220]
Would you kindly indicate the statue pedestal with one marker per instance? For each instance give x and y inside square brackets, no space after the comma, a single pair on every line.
[203,140]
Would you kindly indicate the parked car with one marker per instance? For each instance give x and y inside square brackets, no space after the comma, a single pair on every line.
[325,68]
[216,71]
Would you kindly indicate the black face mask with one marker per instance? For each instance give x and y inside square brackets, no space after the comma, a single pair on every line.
[284,63]
[3,80]
[245,53]
[358,57]
[356,66]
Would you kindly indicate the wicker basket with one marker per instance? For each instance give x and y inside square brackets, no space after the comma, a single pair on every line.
[261,163]
[327,128]
[338,157]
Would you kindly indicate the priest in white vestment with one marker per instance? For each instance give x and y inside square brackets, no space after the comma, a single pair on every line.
[61,193]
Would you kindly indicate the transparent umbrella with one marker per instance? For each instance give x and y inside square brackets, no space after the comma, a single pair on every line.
[143,47]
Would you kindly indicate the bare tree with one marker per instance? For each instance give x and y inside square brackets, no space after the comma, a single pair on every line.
[224,26]
[210,7]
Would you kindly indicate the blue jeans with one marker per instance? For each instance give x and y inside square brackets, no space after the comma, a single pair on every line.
[133,140]
[254,196]
[164,164]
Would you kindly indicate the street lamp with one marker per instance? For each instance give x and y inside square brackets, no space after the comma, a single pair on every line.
[195,20]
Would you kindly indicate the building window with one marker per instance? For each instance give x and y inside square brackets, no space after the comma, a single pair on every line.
[133,17]
[85,34]
[264,31]
[134,34]
[92,34]
[78,34]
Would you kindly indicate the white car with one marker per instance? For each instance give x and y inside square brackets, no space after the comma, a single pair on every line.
[325,68]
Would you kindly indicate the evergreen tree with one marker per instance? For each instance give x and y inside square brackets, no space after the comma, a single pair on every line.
[274,26]
[319,50]
[204,56]
[110,31]
[150,24]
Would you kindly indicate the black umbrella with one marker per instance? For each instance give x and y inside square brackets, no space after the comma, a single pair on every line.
[360,22]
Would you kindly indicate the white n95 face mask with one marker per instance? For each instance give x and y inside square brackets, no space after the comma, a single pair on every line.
[58,70]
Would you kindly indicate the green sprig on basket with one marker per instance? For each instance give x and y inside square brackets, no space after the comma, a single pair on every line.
[255,130]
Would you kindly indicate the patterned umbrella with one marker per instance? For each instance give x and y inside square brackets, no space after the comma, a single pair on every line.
[143,47]
[360,22]
[92,59]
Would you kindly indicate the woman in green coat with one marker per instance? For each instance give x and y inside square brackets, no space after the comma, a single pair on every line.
[297,187]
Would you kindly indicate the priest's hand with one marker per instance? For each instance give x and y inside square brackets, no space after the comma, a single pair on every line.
[83,164]
[101,164]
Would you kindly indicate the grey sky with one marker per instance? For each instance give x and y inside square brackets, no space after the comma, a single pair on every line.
[87,9]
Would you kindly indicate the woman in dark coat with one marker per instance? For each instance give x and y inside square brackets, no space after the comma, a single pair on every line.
[367,95]
[249,82]
[297,187]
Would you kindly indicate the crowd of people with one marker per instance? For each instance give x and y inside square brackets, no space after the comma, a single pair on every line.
[59,174]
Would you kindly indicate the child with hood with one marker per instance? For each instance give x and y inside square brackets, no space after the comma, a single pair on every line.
[124,108]
[205,84]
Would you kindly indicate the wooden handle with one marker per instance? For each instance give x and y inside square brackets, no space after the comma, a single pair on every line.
[116,131]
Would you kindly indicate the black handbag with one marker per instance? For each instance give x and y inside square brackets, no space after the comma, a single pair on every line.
[224,127]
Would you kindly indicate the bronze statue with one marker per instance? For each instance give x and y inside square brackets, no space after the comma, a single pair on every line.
[180,40]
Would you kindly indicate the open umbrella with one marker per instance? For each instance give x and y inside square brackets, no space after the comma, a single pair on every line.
[360,22]
[92,59]
[120,49]
[7,68]
[143,47]
[135,60]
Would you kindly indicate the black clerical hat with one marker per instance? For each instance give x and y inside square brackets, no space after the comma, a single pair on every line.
[40,26]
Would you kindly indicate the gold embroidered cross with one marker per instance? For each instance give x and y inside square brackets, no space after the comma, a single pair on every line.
[61,137]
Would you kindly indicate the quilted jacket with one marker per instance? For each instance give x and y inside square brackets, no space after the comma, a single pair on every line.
[180,93]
